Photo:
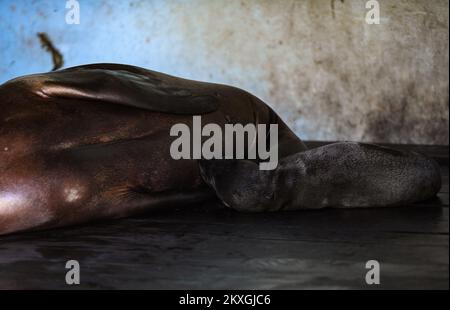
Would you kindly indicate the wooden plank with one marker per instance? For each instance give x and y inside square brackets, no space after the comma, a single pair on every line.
[219,248]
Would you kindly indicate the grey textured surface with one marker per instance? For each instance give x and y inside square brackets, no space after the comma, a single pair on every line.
[317,62]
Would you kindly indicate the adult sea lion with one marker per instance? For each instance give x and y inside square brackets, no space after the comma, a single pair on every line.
[92,142]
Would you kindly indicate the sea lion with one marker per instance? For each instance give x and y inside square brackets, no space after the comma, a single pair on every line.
[92,142]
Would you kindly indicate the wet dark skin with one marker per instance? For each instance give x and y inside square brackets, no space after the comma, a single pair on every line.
[92,142]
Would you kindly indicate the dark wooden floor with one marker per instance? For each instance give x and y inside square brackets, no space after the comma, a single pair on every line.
[210,247]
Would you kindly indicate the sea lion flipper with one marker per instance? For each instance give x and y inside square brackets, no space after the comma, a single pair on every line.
[124,85]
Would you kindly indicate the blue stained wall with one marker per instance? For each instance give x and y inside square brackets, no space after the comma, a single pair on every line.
[317,62]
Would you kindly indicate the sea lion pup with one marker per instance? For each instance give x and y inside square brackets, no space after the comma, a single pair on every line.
[92,142]
[341,175]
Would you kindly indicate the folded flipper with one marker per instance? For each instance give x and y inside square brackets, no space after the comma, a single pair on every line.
[125,85]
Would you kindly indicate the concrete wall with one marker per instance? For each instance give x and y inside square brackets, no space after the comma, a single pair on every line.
[331,75]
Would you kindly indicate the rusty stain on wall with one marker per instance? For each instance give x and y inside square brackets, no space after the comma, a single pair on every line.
[316,62]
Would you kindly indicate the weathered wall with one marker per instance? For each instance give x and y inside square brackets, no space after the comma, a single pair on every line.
[317,62]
